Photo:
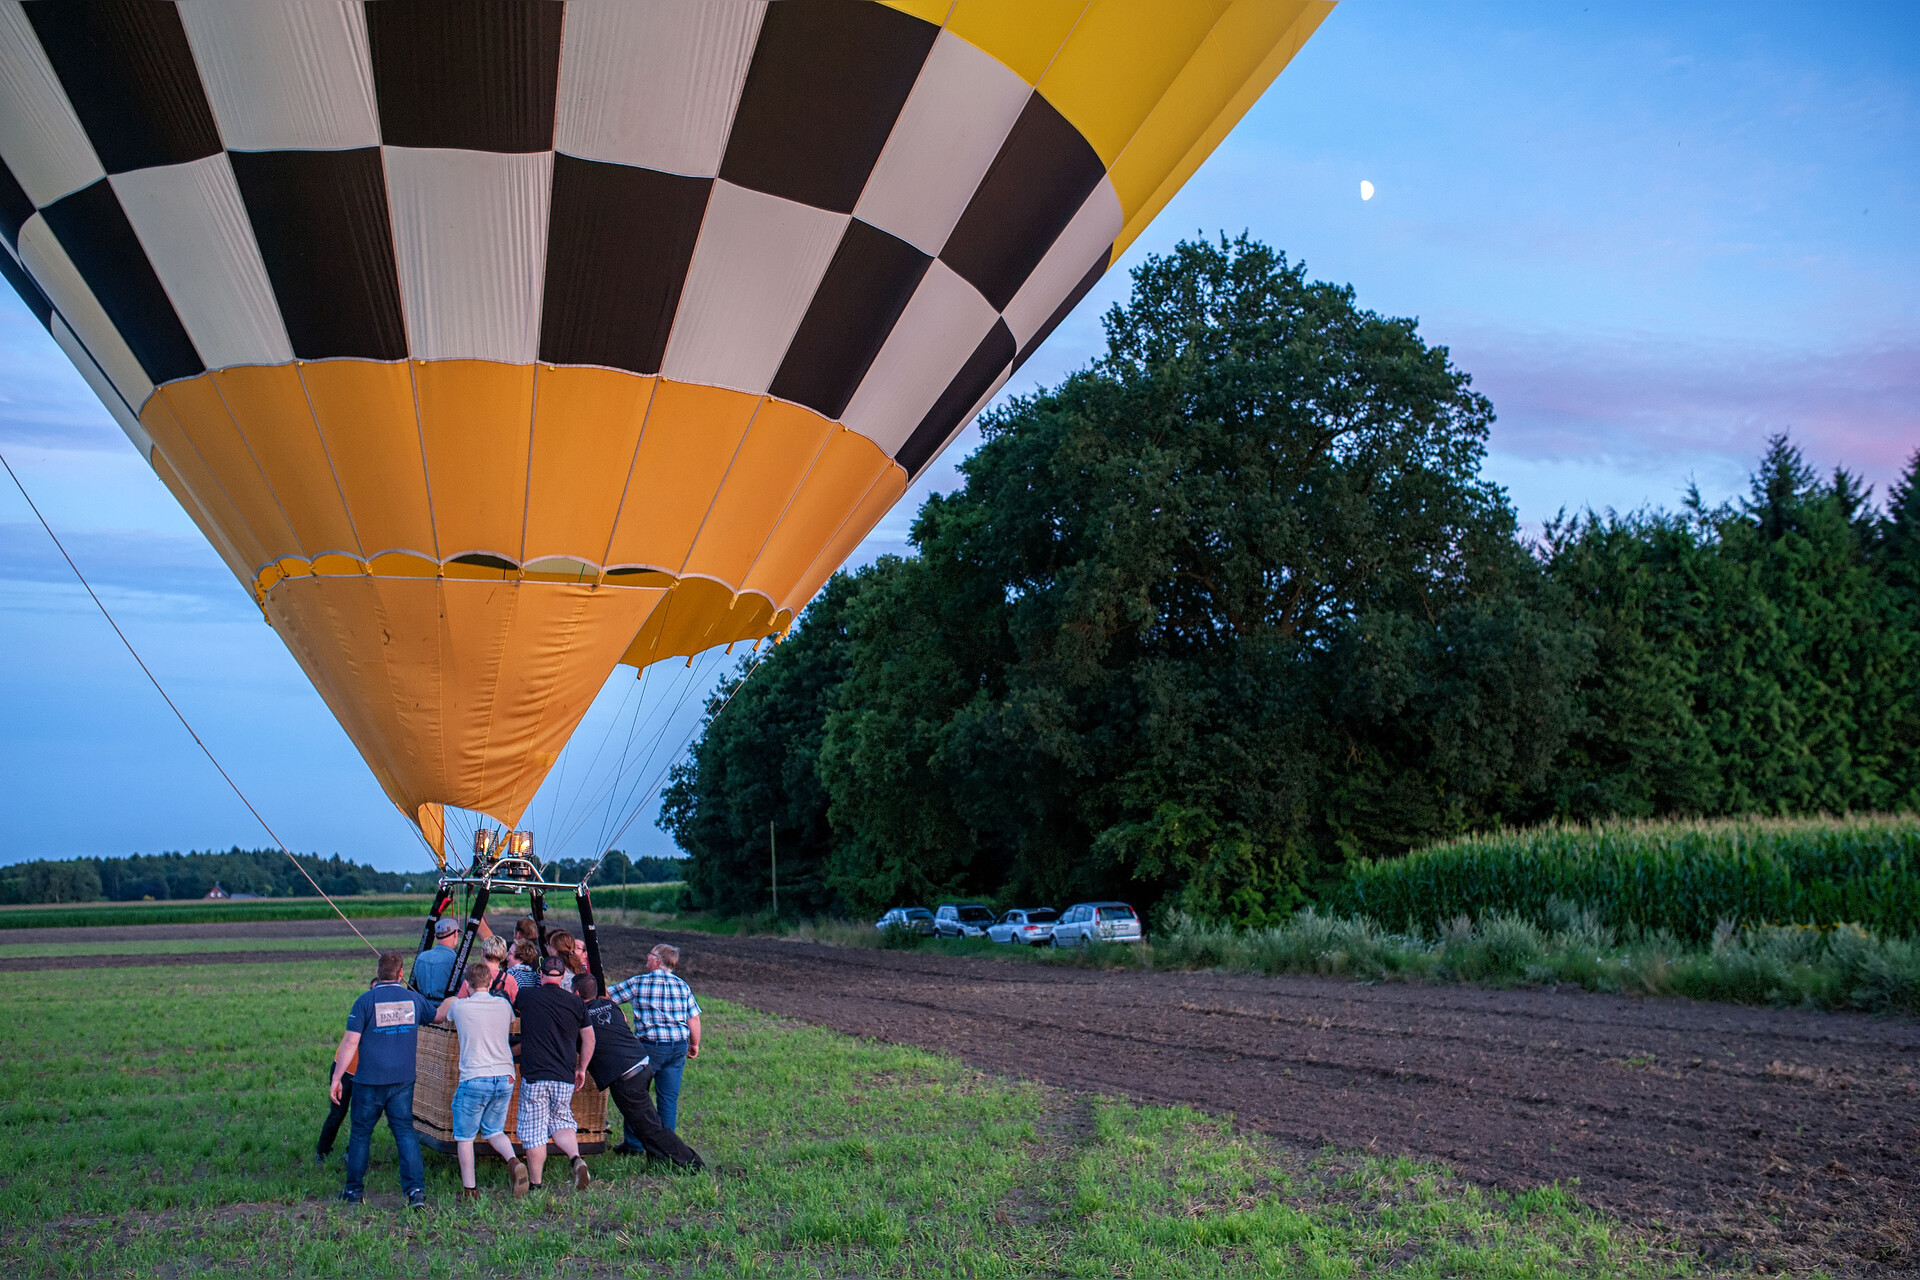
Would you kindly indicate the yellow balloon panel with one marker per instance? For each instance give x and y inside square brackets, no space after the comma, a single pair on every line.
[664,518]
[458,692]
[1245,50]
[1023,34]
[587,423]
[691,436]
[476,421]
[271,415]
[365,412]
[774,460]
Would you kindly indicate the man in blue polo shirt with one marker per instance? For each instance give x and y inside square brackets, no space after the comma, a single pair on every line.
[383,1028]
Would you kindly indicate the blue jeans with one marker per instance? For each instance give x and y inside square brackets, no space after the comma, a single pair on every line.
[395,1101]
[669,1060]
[480,1107]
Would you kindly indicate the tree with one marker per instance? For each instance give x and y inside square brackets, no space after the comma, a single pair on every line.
[1233,605]
[756,764]
[1208,617]
[1754,657]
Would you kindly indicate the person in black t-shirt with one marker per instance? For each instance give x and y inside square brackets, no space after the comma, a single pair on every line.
[622,1067]
[556,1044]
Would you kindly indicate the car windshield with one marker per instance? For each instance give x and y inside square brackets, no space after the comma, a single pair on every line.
[919,913]
[976,915]
[1045,915]
[1115,913]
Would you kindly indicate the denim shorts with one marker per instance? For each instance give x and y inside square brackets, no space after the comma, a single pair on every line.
[480,1107]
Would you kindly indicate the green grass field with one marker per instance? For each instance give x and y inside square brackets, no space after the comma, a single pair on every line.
[193,946]
[162,1122]
[92,915]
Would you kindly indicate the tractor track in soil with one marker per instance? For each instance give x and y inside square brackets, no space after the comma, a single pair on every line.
[1782,1135]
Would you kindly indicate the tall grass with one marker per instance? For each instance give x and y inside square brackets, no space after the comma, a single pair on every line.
[1841,968]
[1681,878]
[665,898]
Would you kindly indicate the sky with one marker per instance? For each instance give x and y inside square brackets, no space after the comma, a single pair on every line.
[1655,235]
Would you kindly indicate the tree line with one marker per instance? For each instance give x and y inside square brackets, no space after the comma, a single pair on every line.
[162,876]
[1234,606]
[263,872]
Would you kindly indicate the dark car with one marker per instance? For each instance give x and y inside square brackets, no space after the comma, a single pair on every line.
[913,919]
[962,920]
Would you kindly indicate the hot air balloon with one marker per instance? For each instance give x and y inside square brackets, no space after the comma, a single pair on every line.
[494,343]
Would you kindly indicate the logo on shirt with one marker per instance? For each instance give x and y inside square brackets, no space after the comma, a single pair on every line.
[394,1013]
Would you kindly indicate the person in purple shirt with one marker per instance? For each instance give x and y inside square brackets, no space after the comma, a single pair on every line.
[383,1028]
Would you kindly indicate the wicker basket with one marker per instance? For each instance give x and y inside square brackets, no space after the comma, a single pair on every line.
[437,1074]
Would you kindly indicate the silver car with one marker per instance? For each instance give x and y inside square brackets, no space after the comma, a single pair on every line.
[961,920]
[1086,922]
[1025,926]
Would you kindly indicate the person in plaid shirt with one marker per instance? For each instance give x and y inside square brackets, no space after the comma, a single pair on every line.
[667,1018]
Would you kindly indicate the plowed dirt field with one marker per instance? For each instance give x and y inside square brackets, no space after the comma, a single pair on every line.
[1792,1133]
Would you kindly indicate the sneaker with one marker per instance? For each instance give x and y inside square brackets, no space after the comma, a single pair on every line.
[416,1199]
[625,1149]
[469,1193]
[580,1175]
[350,1197]
[320,1158]
[522,1179]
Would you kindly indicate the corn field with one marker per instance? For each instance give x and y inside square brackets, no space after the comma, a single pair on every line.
[1684,878]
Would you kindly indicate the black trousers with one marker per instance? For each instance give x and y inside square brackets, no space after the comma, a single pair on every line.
[643,1125]
[336,1111]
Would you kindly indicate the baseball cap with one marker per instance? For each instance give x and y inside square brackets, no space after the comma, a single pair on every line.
[445,927]
[552,967]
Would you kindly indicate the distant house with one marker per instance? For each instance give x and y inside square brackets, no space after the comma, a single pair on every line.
[217,891]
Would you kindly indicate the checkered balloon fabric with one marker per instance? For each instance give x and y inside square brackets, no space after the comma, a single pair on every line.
[649,308]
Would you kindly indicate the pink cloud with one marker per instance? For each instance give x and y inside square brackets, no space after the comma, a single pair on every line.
[1642,399]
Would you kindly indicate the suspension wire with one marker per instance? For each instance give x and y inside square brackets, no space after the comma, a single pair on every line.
[661,780]
[626,748]
[666,607]
[556,825]
[591,792]
[690,679]
[687,679]
[653,749]
[158,688]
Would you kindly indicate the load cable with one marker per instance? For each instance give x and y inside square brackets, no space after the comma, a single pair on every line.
[178,715]
[634,815]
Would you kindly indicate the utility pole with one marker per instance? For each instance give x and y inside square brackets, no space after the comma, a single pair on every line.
[773,860]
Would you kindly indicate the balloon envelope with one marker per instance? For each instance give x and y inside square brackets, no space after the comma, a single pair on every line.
[494,343]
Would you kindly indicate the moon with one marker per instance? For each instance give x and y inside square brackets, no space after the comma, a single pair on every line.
[1366,189]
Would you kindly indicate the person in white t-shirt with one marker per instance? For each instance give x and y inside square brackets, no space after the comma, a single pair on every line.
[484,1022]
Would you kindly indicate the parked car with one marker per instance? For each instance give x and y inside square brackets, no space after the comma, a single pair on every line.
[961,920]
[914,919]
[1086,922]
[1027,926]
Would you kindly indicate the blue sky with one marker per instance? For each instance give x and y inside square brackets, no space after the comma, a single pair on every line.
[1654,234]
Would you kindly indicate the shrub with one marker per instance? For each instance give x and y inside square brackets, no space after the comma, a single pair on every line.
[1841,968]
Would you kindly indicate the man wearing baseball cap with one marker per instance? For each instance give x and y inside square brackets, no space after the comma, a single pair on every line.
[556,1043]
[432,967]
